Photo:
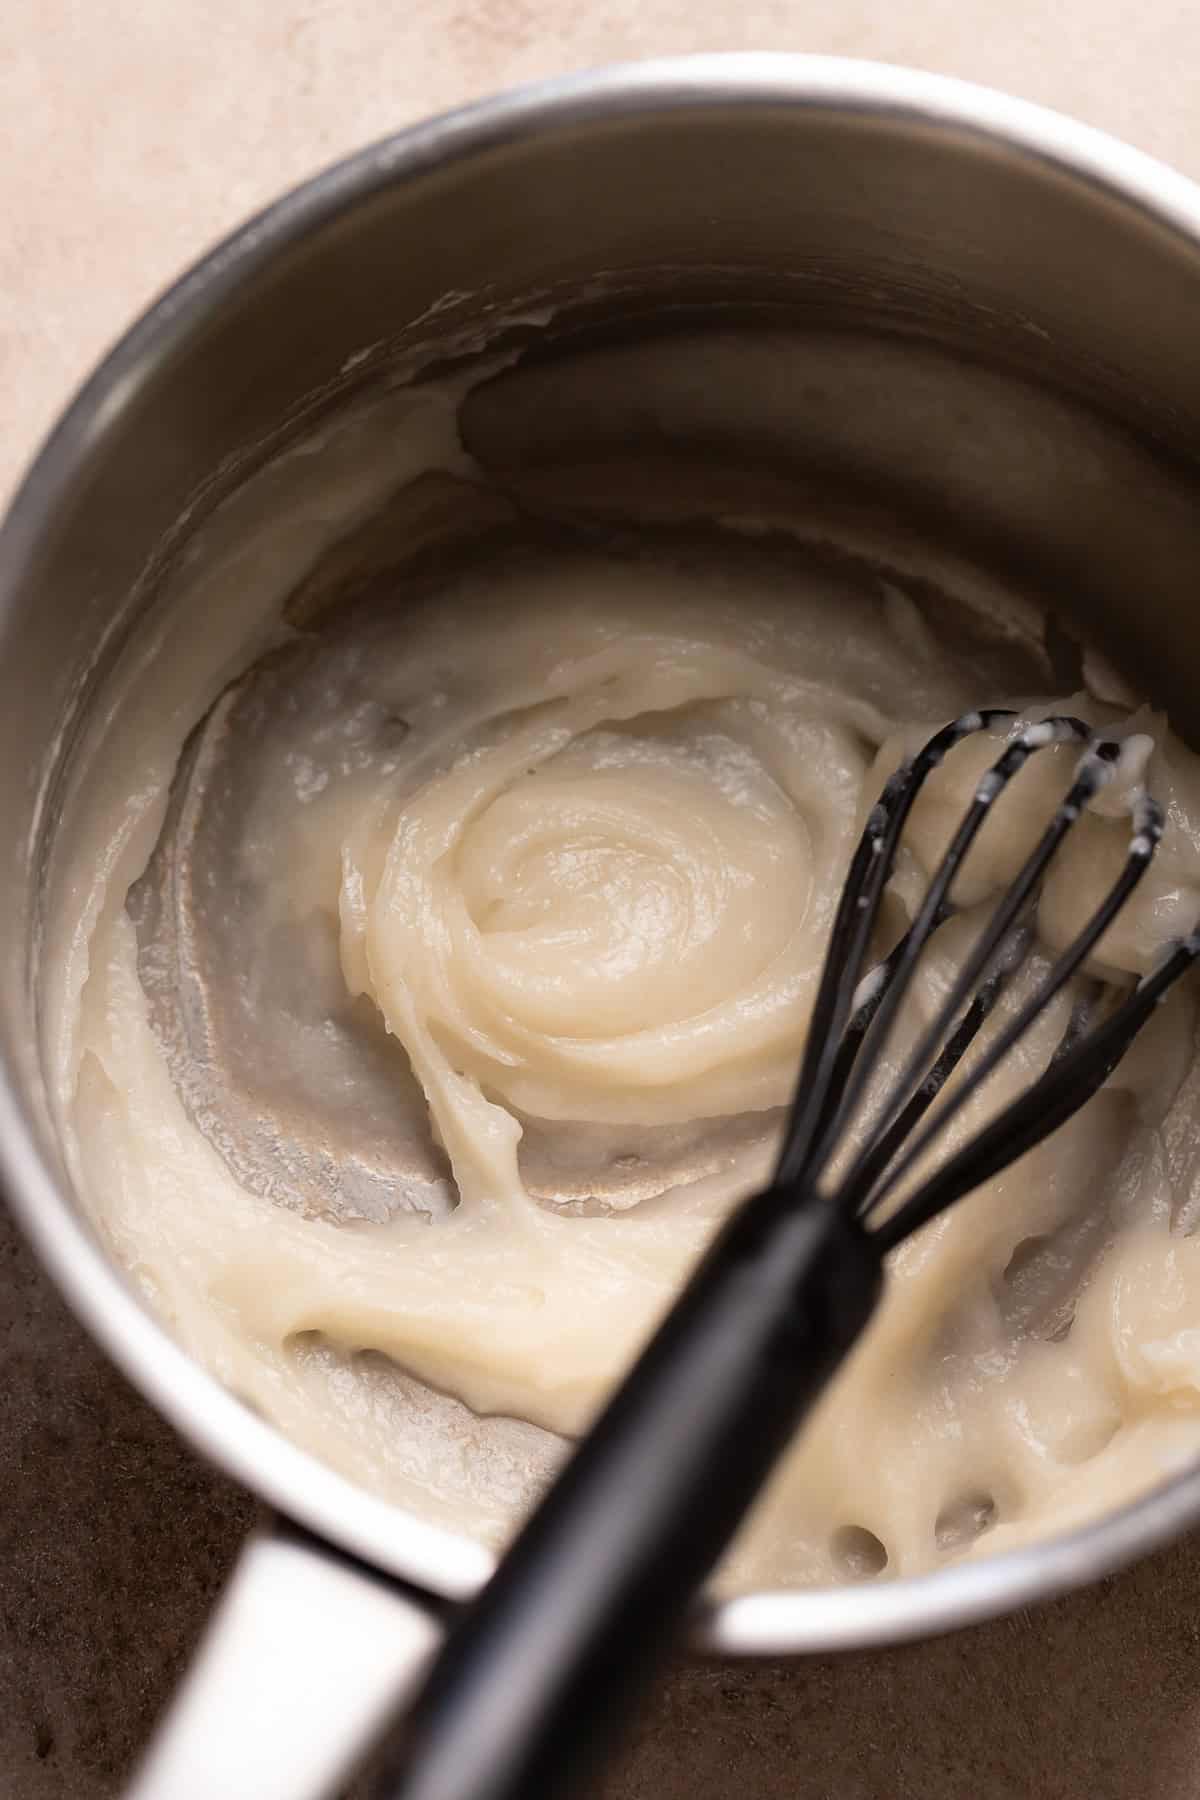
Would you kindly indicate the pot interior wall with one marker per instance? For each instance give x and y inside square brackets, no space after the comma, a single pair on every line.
[927,348]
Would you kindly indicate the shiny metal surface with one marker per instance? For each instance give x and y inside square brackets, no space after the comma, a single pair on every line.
[299,1715]
[1052,275]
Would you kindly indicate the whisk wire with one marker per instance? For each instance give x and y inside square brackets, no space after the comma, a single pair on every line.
[850,938]
[855,1011]
[1147,831]
[880,1151]
[1067,1085]
[1031,739]
[989,951]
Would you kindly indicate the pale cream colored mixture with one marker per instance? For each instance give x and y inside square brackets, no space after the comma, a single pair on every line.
[560,838]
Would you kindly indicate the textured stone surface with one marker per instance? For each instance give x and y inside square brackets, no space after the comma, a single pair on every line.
[131,133]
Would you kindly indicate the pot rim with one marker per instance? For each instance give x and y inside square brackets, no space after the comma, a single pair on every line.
[210,1417]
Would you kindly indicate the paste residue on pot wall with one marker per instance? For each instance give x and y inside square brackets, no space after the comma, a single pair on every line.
[458,1004]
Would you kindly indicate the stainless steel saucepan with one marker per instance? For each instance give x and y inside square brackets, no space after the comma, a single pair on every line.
[991,329]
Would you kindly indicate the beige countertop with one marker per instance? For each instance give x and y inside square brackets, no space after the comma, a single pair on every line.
[132,132]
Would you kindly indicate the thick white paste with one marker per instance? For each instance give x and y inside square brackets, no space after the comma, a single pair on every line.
[586,887]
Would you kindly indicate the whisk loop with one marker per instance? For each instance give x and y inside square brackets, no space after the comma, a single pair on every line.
[857,1008]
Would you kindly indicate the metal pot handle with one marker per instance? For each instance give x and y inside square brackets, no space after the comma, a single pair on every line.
[299,1668]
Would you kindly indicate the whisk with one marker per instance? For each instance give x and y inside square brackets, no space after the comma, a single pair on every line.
[540,1669]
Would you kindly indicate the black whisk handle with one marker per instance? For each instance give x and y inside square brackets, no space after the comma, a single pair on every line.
[544,1666]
